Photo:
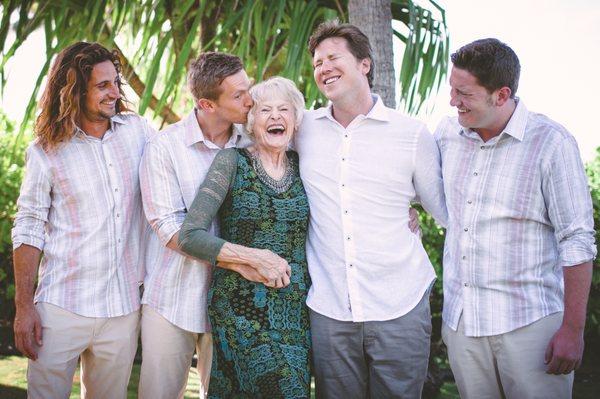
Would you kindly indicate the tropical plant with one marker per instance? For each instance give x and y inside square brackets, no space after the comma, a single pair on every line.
[12,159]
[158,38]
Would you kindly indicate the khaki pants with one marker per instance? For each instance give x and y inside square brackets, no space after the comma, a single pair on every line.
[509,365]
[106,346]
[167,352]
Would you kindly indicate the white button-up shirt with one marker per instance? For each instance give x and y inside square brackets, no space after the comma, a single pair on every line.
[365,263]
[519,210]
[174,164]
[80,204]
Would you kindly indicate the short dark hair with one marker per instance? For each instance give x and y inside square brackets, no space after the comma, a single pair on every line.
[493,63]
[207,72]
[358,42]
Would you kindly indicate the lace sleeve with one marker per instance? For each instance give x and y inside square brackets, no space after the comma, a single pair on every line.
[194,238]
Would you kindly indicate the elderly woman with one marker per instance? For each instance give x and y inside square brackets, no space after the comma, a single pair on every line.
[260,331]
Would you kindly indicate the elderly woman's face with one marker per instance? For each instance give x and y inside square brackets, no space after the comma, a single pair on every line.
[274,124]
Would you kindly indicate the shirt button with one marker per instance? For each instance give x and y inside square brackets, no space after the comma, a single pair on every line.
[345,212]
[343,185]
[110,164]
[466,284]
[464,257]
[345,135]
[118,214]
[466,229]
[482,147]
[351,265]
[116,190]
[348,238]
[343,159]
[469,202]
[475,173]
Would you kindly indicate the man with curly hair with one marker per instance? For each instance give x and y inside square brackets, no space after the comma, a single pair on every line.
[80,207]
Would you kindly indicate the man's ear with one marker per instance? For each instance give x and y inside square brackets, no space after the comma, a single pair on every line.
[205,105]
[365,64]
[502,95]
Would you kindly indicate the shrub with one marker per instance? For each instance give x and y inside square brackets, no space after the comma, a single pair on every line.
[12,160]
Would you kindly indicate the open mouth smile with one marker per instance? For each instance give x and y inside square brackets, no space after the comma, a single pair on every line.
[276,129]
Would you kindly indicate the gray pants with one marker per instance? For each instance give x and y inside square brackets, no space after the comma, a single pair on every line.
[375,359]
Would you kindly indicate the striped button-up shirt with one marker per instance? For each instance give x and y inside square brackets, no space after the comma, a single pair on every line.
[519,210]
[174,164]
[81,205]
[365,263]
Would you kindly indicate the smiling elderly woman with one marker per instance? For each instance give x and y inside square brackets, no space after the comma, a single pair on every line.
[260,331]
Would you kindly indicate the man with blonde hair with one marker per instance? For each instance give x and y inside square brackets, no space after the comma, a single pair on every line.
[174,165]
[80,207]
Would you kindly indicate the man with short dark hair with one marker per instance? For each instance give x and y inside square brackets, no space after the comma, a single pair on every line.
[361,164]
[80,206]
[520,227]
[175,162]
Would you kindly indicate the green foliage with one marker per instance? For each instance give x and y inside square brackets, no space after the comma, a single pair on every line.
[158,38]
[12,159]
[593,320]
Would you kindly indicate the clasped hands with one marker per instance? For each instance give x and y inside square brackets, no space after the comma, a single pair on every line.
[267,268]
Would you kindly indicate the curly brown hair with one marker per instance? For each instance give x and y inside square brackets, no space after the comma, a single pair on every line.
[63,99]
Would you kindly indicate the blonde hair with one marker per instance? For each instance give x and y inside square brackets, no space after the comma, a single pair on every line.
[276,87]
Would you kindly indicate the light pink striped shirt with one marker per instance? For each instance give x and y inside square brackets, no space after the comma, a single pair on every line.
[174,165]
[519,210]
[81,206]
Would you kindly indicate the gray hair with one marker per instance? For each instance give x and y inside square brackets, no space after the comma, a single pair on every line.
[275,87]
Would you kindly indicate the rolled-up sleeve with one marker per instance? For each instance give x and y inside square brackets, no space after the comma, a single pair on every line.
[161,195]
[569,205]
[34,201]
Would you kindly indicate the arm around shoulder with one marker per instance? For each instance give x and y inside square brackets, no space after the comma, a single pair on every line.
[428,177]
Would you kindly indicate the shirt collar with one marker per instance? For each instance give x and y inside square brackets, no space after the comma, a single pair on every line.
[378,112]
[115,119]
[518,121]
[193,132]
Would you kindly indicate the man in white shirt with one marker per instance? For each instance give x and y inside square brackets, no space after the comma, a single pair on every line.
[361,164]
[520,239]
[175,162]
[80,206]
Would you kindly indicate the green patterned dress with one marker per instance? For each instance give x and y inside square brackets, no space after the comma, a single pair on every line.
[261,335]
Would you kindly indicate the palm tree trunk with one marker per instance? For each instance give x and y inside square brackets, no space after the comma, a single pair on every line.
[374,18]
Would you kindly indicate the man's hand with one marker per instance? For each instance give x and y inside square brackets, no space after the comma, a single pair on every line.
[246,271]
[564,351]
[28,331]
[413,222]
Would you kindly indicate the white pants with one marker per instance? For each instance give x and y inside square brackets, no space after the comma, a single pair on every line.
[167,352]
[106,346]
[508,365]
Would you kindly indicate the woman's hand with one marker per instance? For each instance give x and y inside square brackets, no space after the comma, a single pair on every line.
[272,267]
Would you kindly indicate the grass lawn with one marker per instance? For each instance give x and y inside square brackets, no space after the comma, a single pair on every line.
[13,384]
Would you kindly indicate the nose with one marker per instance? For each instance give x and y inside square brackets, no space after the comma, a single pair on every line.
[275,114]
[453,99]
[114,91]
[248,102]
